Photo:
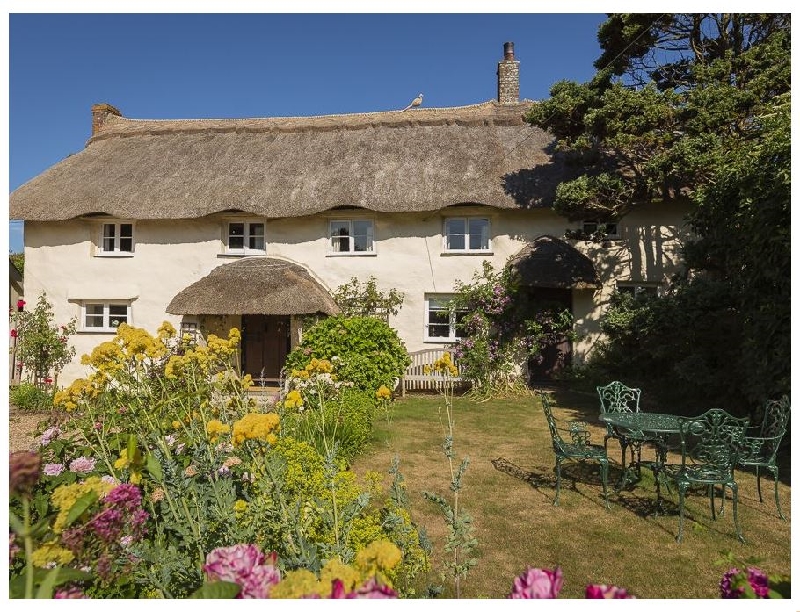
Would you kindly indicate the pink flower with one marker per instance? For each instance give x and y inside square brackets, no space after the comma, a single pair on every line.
[537,583]
[48,435]
[603,591]
[758,581]
[20,304]
[372,589]
[243,564]
[53,469]
[70,593]
[14,333]
[81,465]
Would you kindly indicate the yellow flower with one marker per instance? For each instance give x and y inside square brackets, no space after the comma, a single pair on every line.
[240,506]
[215,428]
[380,555]
[383,392]
[336,570]
[65,496]
[297,583]
[50,552]
[255,426]
[176,425]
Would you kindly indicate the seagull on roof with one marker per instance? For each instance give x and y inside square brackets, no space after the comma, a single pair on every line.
[414,103]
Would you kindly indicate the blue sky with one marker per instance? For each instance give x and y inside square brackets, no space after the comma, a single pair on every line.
[163,66]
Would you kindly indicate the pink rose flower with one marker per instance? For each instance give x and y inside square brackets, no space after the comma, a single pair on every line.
[537,583]
[245,565]
[603,591]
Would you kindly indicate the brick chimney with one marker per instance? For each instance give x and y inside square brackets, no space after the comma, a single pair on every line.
[100,114]
[508,76]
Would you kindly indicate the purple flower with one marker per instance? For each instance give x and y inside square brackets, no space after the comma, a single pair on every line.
[82,465]
[53,469]
[372,589]
[49,435]
[603,591]
[70,593]
[13,547]
[127,496]
[758,581]
[108,524]
[537,583]
[243,564]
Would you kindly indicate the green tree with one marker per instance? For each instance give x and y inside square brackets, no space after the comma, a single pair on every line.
[691,106]
[42,346]
[357,299]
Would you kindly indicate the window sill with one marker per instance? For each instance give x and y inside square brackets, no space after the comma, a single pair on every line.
[96,330]
[441,340]
[114,254]
[240,255]
[351,254]
[465,252]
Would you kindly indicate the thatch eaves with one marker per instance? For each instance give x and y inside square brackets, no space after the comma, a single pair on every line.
[256,285]
[415,161]
[552,263]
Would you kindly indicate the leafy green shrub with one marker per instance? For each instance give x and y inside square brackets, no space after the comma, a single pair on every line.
[27,396]
[368,351]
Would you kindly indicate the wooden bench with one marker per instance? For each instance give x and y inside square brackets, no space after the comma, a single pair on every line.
[415,378]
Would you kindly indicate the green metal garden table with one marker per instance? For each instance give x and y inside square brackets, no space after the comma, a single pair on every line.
[656,429]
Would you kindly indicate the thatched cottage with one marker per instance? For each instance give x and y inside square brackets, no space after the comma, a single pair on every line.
[254,222]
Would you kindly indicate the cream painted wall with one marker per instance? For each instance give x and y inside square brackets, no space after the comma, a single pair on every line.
[170,255]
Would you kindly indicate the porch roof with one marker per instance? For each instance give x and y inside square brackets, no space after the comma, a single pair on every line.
[550,262]
[257,285]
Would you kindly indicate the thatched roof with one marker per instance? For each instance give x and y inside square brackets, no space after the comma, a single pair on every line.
[257,285]
[414,161]
[550,262]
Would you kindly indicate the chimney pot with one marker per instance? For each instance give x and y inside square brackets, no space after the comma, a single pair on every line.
[508,51]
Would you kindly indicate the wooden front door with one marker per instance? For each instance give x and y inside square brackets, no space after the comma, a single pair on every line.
[559,354]
[265,344]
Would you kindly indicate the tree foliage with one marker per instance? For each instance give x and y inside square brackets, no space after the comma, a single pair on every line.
[357,299]
[696,107]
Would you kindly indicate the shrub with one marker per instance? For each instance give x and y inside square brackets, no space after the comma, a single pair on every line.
[369,352]
[27,396]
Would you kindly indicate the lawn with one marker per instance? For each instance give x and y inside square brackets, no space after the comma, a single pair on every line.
[509,487]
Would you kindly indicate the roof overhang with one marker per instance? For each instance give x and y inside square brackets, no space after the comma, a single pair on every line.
[256,285]
[550,262]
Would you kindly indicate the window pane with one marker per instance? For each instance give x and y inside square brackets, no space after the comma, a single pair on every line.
[362,232]
[126,230]
[256,239]
[340,244]
[109,230]
[438,331]
[479,234]
[117,314]
[94,315]
[126,244]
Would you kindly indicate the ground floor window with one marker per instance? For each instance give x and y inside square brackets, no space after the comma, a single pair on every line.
[639,289]
[104,316]
[442,321]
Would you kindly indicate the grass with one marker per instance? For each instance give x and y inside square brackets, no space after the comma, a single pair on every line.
[509,488]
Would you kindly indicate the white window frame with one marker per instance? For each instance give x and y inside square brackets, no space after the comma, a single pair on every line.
[107,326]
[101,250]
[466,235]
[639,287]
[247,235]
[452,333]
[590,226]
[351,236]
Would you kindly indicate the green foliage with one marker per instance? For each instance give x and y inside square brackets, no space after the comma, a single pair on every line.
[42,346]
[27,396]
[369,352]
[18,259]
[503,327]
[357,299]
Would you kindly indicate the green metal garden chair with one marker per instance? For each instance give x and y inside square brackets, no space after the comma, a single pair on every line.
[618,397]
[710,448]
[579,448]
[762,442]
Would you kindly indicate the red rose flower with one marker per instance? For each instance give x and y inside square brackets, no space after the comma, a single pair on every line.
[20,304]
[13,333]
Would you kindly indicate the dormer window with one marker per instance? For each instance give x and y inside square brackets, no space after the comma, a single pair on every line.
[351,237]
[116,238]
[467,235]
[246,238]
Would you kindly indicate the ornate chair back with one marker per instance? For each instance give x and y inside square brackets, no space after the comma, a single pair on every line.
[559,446]
[618,397]
[774,424]
[711,443]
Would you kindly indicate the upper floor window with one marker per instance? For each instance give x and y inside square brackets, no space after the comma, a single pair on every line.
[104,316]
[608,229]
[639,289]
[467,234]
[442,321]
[351,236]
[246,238]
[116,239]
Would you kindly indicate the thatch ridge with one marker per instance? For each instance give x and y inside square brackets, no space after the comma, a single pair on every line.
[254,285]
[552,263]
[420,160]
